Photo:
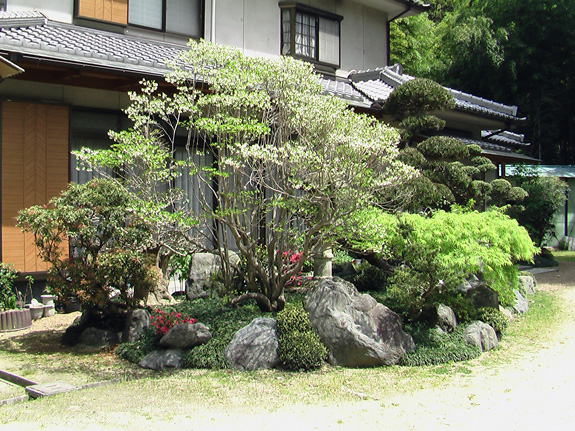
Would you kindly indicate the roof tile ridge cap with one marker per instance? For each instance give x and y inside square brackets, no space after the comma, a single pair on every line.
[18,19]
[485,103]
[365,74]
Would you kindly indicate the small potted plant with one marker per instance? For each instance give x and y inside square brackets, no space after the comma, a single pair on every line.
[11,317]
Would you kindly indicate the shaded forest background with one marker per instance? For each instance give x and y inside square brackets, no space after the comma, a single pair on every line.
[519,52]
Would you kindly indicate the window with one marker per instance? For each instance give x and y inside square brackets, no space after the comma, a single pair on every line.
[173,16]
[310,34]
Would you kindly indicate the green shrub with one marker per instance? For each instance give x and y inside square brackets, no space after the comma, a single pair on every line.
[369,277]
[135,351]
[299,346]
[7,291]
[223,321]
[495,318]
[435,347]
[107,237]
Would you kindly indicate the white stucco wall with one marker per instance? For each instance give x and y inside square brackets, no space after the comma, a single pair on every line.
[57,10]
[254,27]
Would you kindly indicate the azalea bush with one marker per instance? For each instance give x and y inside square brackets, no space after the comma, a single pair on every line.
[163,321]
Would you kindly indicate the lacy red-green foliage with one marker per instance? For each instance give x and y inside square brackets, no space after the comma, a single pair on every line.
[107,241]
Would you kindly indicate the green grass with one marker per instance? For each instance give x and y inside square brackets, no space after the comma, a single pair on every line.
[564,255]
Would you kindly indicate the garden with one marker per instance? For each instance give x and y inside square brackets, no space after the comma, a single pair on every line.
[324,237]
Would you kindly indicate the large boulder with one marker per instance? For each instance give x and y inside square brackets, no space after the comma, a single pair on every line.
[481,295]
[254,347]
[482,335]
[162,359]
[358,331]
[137,321]
[99,338]
[185,336]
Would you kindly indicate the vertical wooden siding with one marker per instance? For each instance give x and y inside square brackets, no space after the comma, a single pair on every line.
[34,168]
[105,10]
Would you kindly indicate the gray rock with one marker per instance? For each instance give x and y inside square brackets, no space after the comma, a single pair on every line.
[203,267]
[358,331]
[137,321]
[185,336]
[482,335]
[528,284]
[521,304]
[481,295]
[99,338]
[507,313]
[162,359]
[254,347]
[446,318]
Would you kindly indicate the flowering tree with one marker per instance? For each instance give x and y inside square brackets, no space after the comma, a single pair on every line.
[288,162]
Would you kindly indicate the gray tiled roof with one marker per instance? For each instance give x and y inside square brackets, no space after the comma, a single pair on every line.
[505,137]
[377,84]
[344,90]
[31,34]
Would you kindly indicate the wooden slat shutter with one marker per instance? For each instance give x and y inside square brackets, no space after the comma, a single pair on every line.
[35,163]
[105,10]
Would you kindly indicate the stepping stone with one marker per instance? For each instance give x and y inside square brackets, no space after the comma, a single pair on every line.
[48,389]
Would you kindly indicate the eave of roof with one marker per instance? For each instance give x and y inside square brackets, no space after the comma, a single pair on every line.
[30,35]
[377,85]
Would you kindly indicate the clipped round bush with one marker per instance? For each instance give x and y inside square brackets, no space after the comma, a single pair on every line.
[299,346]
[417,96]
[494,318]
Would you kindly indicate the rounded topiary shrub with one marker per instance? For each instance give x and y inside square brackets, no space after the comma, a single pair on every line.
[299,346]
[494,318]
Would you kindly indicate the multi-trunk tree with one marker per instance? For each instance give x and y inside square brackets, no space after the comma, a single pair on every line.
[288,163]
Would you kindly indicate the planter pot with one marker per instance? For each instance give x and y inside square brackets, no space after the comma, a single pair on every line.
[15,320]
[48,299]
[48,310]
[36,312]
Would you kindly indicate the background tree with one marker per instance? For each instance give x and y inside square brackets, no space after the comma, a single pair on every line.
[514,51]
[545,196]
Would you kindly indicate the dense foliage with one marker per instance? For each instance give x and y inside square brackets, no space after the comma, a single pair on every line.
[7,290]
[107,240]
[299,346]
[437,347]
[537,213]
[436,253]
[452,171]
[284,156]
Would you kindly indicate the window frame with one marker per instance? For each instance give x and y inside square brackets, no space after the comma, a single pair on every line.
[294,8]
[164,25]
